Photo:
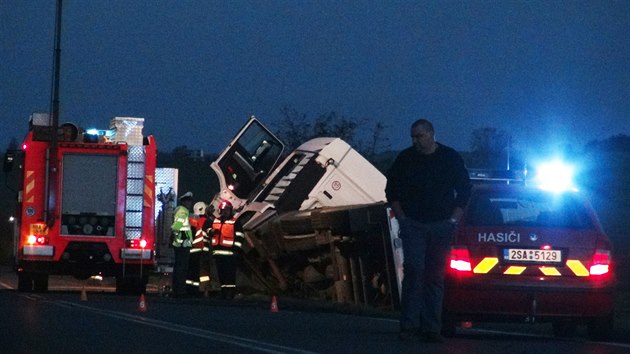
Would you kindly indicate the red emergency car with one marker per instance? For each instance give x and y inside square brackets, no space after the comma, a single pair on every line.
[530,254]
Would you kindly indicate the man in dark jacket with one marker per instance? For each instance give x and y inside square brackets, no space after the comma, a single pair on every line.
[427,187]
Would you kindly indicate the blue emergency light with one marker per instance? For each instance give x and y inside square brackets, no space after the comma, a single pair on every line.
[555,176]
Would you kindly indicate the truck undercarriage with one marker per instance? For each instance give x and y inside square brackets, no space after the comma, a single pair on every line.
[341,254]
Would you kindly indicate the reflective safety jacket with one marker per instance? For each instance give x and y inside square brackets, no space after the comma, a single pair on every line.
[225,238]
[201,242]
[182,233]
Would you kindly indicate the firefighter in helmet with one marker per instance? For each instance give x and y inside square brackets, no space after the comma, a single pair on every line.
[200,257]
[225,241]
[182,242]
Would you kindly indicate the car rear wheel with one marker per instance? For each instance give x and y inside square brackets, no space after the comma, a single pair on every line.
[600,328]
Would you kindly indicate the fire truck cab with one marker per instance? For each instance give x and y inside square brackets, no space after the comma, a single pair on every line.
[85,204]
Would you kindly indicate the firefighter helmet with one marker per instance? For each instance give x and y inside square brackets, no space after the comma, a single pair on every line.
[199,208]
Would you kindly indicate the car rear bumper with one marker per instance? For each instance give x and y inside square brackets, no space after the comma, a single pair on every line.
[527,303]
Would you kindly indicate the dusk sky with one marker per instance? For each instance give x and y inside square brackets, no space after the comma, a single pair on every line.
[547,72]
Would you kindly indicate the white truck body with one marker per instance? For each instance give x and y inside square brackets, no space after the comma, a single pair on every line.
[317,218]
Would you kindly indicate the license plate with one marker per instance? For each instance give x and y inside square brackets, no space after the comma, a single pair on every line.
[39,229]
[532,255]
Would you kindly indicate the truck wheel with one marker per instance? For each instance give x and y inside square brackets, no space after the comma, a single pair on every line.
[600,328]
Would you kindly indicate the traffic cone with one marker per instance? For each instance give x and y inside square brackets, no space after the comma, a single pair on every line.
[142,306]
[274,304]
[83,294]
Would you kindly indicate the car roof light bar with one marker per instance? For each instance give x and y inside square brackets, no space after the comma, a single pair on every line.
[506,176]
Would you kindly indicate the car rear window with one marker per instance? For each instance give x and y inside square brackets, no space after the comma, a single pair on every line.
[529,208]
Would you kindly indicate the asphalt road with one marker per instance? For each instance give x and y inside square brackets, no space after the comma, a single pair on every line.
[63,321]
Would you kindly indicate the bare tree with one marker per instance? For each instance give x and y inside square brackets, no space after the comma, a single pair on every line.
[378,141]
[295,128]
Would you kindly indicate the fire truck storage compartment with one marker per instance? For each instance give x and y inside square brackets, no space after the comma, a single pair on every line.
[88,203]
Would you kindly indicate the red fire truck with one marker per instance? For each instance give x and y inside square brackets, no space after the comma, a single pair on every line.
[86,204]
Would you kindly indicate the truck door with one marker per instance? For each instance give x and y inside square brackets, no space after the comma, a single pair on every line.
[246,161]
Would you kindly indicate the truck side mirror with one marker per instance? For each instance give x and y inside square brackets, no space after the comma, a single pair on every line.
[9,157]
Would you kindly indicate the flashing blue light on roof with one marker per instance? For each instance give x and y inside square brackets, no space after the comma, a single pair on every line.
[555,176]
[99,132]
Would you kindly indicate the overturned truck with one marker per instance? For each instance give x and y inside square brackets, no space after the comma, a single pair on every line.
[315,223]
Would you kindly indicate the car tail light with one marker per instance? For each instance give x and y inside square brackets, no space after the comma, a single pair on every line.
[36,240]
[601,262]
[460,259]
[138,243]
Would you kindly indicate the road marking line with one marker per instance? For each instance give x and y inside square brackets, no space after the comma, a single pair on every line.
[202,333]
[6,286]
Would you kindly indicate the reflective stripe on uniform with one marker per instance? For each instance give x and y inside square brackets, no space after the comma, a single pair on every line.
[222,252]
[193,283]
[204,279]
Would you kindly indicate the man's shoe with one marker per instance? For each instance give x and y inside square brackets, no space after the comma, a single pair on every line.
[431,337]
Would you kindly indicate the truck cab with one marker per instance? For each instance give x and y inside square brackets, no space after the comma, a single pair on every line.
[313,220]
